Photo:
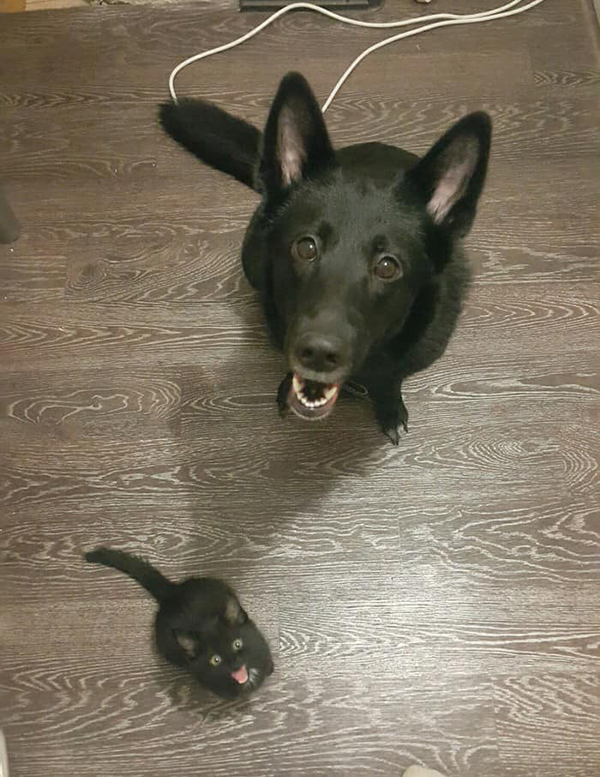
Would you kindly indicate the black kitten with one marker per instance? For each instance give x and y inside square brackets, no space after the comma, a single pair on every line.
[200,626]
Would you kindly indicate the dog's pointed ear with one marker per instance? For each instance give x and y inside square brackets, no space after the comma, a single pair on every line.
[296,143]
[451,175]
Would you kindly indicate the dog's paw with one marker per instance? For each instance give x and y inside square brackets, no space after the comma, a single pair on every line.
[392,420]
[393,432]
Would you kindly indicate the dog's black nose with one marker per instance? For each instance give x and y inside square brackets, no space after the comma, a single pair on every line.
[320,353]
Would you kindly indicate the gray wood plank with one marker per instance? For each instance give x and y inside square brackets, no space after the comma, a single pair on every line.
[436,603]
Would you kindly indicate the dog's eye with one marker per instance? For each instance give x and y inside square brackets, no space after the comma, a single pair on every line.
[305,249]
[237,644]
[388,268]
[215,660]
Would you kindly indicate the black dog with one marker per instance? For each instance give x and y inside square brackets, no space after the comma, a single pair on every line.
[356,252]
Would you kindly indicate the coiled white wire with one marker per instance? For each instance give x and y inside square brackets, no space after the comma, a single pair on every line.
[437,20]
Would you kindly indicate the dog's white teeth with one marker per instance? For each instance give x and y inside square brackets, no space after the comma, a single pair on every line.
[326,393]
[312,402]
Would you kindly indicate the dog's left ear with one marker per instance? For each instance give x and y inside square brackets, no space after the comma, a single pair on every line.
[452,173]
[296,143]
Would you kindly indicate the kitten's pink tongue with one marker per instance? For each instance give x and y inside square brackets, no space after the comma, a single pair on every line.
[240,675]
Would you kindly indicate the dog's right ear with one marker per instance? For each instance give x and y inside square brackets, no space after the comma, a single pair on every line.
[296,144]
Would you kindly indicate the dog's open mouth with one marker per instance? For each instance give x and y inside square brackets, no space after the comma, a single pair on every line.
[310,399]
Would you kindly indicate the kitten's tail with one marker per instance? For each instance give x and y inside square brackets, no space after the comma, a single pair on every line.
[219,139]
[138,569]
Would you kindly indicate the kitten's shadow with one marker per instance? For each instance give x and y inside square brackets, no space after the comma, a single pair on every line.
[188,696]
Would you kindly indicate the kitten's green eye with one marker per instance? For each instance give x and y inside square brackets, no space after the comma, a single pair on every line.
[215,660]
[237,644]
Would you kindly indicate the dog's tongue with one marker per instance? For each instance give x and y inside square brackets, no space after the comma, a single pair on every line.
[240,675]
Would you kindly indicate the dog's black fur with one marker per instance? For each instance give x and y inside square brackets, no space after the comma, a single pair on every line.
[356,252]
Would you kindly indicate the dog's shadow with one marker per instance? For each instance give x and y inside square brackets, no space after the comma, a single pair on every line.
[259,462]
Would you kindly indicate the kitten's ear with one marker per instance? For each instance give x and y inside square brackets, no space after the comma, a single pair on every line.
[234,613]
[452,173]
[188,642]
[296,143]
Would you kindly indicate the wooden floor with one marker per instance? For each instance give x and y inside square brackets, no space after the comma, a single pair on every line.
[437,603]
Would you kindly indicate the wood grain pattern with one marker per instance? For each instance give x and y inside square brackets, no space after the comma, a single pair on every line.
[520,702]
[436,603]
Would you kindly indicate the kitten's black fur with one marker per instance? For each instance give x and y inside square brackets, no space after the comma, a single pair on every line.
[199,619]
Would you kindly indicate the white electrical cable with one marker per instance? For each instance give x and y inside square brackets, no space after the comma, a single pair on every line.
[439,20]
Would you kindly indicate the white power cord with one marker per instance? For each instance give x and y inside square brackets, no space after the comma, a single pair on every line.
[438,20]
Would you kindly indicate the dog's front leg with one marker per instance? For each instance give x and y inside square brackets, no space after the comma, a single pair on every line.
[283,393]
[390,410]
